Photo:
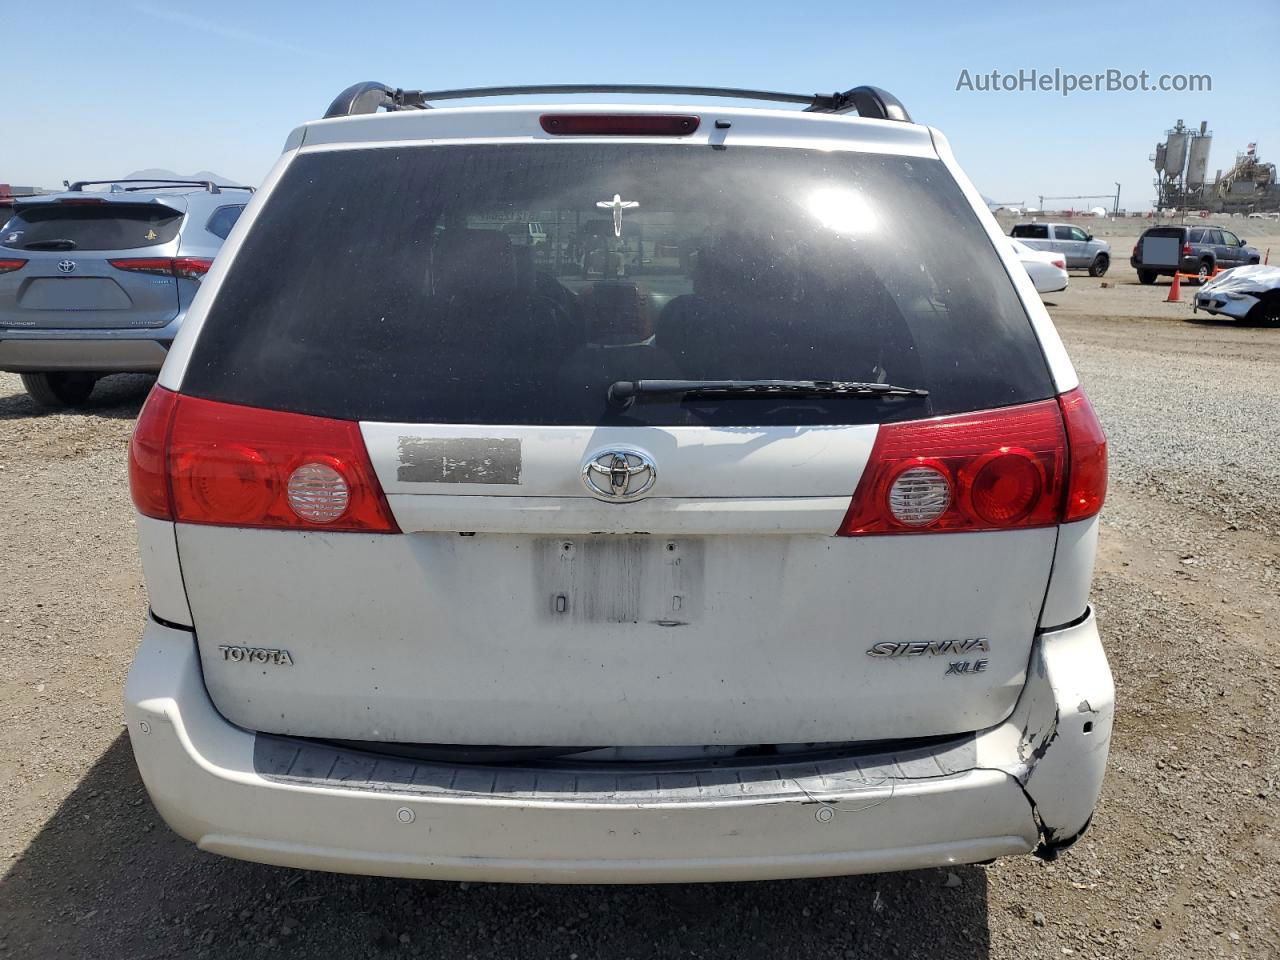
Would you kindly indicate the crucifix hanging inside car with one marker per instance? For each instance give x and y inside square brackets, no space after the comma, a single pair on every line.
[617,205]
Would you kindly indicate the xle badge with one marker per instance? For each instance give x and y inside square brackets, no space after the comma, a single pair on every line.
[966,666]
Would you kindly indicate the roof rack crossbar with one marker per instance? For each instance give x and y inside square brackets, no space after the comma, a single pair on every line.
[367,97]
[207,185]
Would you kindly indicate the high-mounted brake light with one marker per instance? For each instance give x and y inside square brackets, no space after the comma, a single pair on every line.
[185,268]
[619,124]
[11,264]
[200,461]
[1034,465]
[81,201]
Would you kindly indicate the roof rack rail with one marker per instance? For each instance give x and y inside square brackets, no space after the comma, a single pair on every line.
[208,185]
[368,96]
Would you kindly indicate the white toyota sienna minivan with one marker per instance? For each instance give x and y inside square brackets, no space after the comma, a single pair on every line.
[742,529]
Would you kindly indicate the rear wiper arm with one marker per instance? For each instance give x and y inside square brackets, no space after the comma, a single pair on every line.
[50,245]
[625,392]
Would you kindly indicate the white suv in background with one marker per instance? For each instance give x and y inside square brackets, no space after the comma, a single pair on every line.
[765,552]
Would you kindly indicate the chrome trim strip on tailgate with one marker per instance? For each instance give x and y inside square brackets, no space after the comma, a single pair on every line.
[687,516]
[307,763]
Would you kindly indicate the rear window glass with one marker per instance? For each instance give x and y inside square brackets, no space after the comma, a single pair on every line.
[420,294]
[223,219]
[1032,231]
[105,226]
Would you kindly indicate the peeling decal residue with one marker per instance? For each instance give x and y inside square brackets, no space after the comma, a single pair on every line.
[459,460]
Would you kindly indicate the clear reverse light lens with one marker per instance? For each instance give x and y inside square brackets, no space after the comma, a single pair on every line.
[919,496]
[318,493]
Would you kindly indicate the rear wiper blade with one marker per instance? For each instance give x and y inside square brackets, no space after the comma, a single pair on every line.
[50,245]
[625,392]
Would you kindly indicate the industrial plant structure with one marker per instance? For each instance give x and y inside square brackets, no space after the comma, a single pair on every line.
[1182,176]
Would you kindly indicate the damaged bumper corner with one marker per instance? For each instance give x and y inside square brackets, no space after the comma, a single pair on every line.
[1055,743]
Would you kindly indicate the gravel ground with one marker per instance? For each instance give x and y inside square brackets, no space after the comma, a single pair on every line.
[1181,860]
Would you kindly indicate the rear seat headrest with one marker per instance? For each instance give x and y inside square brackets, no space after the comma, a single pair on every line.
[473,263]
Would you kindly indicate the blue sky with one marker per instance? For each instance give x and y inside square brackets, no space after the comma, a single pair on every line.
[99,90]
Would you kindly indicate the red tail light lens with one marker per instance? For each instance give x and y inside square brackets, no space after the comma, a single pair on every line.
[1087,446]
[191,268]
[619,125]
[1060,264]
[236,466]
[1186,249]
[8,266]
[148,477]
[1003,469]
[187,268]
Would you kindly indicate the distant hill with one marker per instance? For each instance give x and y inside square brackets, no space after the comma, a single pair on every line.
[158,173]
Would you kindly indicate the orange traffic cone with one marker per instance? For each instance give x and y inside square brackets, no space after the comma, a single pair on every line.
[1173,290]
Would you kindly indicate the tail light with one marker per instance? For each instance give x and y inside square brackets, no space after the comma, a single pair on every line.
[200,461]
[1135,252]
[1060,264]
[1087,446]
[1033,465]
[185,268]
[10,265]
[619,124]
[1186,249]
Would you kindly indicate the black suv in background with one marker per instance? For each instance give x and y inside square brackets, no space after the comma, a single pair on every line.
[1162,251]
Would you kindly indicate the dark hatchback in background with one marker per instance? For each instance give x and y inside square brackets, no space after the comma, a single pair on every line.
[96,281]
[1163,251]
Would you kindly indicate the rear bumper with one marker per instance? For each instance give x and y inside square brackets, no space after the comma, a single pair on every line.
[141,350]
[1032,780]
[1186,265]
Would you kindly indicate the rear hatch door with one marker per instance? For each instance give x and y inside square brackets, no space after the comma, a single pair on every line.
[1161,247]
[525,603]
[70,280]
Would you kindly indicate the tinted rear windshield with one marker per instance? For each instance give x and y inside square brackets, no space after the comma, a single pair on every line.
[89,226]
[512,284]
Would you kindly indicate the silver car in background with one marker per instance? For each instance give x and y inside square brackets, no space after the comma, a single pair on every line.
[95,281]
[1082,249]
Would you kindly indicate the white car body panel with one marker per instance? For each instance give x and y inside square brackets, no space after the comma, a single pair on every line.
[723,462]
[621,665]
[1073,562]
[1041,268]
[159,552]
